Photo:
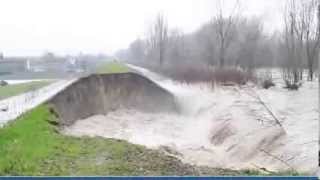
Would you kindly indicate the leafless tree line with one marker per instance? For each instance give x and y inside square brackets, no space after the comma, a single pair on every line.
[300,38]
[236,41]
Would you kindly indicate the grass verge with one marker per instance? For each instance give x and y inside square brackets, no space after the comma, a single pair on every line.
[16,89]
[112,67]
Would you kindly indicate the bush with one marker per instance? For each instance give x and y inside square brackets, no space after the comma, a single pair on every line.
[3,83]
[225,76]
[267,83]
[236,76]
[292,85]
[189,74]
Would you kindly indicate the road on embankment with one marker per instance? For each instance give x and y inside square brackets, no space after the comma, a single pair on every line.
[13,107]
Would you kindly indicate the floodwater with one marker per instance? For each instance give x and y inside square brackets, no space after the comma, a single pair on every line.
[11,82]
[224,127]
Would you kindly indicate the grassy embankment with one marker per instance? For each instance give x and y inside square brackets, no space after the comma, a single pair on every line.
[112,67]
[32,145]
[16,89]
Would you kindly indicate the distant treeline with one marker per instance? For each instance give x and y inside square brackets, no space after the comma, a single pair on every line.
[232,40]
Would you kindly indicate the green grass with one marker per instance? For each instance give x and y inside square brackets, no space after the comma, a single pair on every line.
[16,89]
[112,67]
[25,142]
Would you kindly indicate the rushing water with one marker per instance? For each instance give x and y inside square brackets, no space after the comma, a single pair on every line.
[220,127]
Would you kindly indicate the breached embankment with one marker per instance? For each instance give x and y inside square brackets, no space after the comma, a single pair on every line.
[225,128]
[102,93]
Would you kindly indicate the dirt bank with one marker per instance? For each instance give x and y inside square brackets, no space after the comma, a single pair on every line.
[100,94]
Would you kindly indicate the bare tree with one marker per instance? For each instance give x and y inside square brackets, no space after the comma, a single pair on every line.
[318,15]
[137,50]
[224,29]
[312,37]
[228,39]
[206,44]
[158,37]
[251,32]
[291,70]
[176,47]
[302,36]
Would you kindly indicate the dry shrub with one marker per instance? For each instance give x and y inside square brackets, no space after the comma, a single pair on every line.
[225,76]
[292,85]
[3,83]
[232,75]
[189,74]
[267,83]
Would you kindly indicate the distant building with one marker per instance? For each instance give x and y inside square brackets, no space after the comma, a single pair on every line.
[54,64]
[13,64]
[50,63]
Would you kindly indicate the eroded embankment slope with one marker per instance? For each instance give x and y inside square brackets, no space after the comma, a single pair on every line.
[100,94]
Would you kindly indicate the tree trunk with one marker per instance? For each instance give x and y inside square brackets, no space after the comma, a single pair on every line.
[222,52]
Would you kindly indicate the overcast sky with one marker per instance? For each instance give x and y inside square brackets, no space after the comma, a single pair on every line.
[103,26]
